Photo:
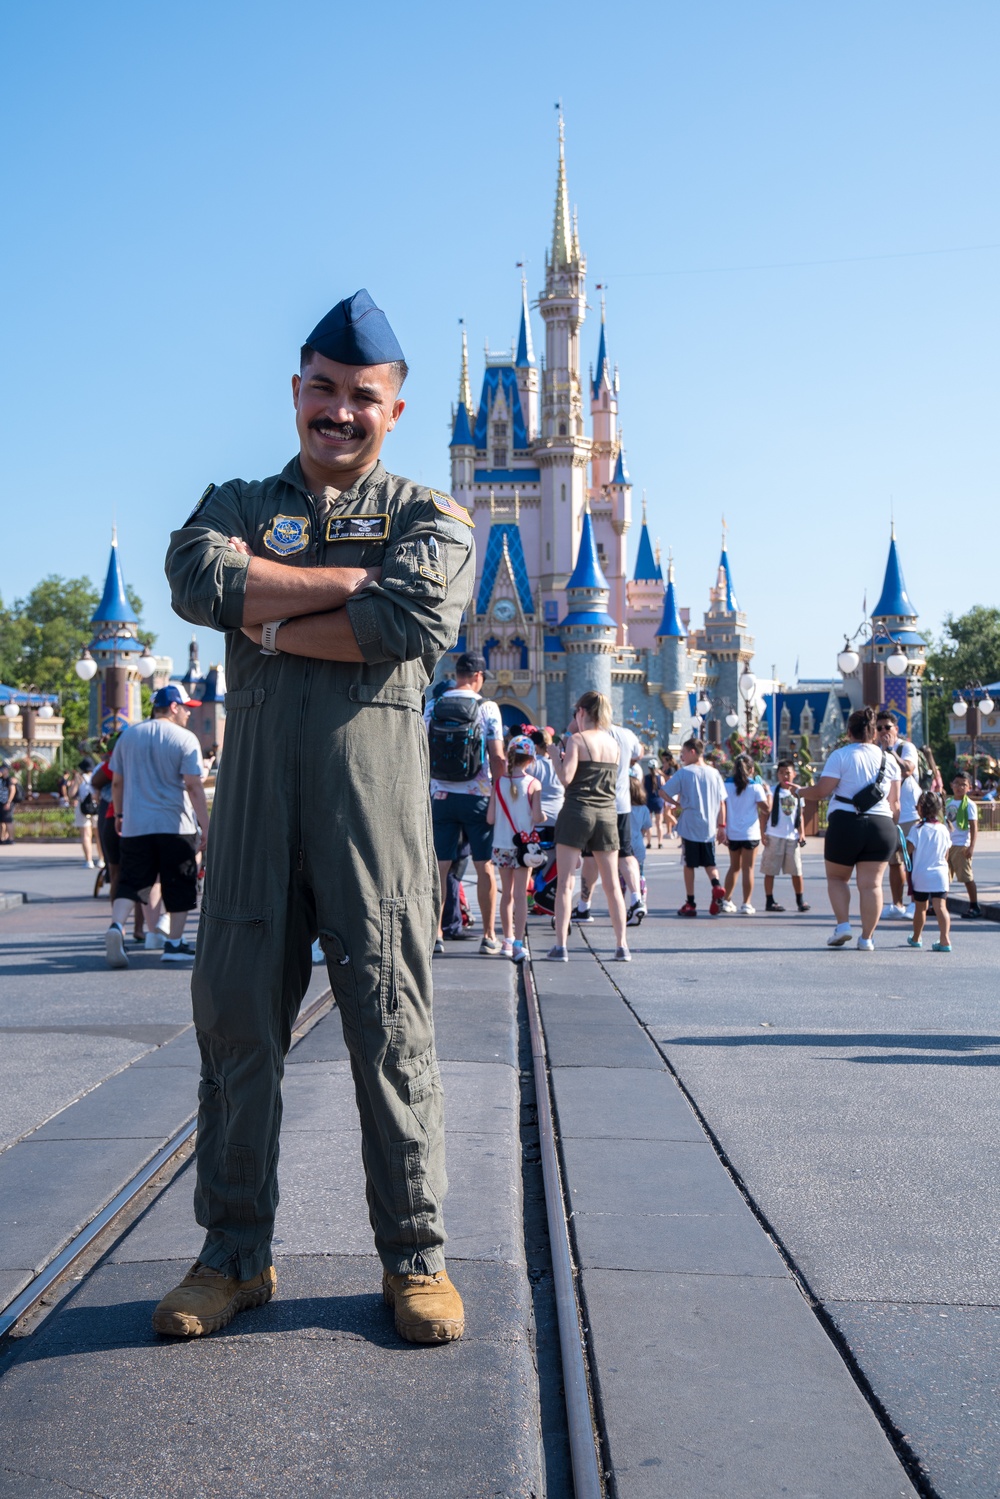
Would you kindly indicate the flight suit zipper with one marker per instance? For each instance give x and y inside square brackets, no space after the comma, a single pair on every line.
[306,682]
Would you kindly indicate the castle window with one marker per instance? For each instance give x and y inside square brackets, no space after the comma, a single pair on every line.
[562,429]
[564,492]
[548,551]
[600,551]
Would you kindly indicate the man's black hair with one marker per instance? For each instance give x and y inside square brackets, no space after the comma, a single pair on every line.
[399,367]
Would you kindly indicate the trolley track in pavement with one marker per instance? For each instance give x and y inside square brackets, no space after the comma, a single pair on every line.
[53,1282]
[74,1263]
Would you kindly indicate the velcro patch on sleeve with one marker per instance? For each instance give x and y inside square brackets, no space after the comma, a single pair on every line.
[452,508]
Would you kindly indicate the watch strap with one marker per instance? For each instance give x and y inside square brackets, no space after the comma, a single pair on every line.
[269,637]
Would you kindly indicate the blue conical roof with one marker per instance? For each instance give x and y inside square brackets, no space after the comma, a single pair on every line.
[894,599]
[670,624]
[647,569]
[602,372]
[731,605]
[620,475]
[114,607]
[462,435]
[587,573]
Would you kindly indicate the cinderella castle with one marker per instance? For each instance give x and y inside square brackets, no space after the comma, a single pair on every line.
[554,611]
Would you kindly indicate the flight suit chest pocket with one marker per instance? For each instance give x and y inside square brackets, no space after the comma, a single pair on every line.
[418,567]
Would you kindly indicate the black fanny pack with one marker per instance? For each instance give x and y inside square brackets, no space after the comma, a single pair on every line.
[869,796]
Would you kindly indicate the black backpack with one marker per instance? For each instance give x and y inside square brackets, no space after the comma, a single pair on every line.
[457,746]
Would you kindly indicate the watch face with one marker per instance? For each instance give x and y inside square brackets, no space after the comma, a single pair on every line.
[504,609]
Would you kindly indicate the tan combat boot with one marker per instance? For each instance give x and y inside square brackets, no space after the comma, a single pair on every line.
[206,1300]
[428,1308]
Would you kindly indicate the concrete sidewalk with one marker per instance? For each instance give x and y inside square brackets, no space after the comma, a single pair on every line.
[854,1096]
[313,1393]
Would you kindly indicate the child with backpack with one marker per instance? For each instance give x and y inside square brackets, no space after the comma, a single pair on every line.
[929,845]
[514,811]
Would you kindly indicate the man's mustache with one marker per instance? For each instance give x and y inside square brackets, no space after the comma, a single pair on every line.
[346,430]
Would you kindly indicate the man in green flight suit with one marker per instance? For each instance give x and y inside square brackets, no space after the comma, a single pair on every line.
[339,587]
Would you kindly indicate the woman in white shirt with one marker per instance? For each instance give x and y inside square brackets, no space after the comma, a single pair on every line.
[862,783]
[747,805]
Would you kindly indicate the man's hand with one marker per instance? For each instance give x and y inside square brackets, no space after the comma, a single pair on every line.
[239,545]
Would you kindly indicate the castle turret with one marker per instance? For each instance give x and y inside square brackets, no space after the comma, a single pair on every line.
[115,690]
[897,617]
[644,593]
[671,640]
[724,639]
[588,632]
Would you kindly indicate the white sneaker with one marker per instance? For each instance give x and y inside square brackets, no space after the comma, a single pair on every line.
[507,951]
[747,909]
[153,942]
[896,913]
[727,908]
[911,911]
[865,944]
[89,864]
[841,935]
[114,947]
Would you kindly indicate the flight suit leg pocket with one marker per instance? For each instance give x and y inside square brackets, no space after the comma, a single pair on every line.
[344,984]
[235,987]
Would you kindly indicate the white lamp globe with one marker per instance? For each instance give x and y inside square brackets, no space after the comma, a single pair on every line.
[960,708]
[703,706]
[897,662]
[86,667]
[46,711]
[986,704]
[11,710]
[748,686]
[848,661]
[732,719]
[146,664]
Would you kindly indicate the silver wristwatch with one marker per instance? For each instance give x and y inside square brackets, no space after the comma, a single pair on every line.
[269,636]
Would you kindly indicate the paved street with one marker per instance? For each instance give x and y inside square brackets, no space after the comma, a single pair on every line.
[850,1096]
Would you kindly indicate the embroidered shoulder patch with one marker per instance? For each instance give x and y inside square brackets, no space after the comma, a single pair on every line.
[357,528]
[201,503]
[287,534]
[448,506]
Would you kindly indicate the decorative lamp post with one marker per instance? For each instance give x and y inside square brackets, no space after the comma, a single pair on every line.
[748,687]
[971,701]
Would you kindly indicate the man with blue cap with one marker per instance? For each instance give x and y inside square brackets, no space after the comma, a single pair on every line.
[339,586]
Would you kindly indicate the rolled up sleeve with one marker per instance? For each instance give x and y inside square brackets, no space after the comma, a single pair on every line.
[207,578]
[427,579]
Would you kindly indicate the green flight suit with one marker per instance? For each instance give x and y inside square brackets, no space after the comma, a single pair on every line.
[321,824]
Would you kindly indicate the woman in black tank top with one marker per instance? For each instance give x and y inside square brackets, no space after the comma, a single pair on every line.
[588,821]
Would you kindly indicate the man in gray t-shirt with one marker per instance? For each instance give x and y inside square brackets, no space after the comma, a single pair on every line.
[162,817]
[699,792]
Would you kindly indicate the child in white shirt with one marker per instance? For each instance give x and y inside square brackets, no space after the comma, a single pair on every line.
[515,807]
[929,843]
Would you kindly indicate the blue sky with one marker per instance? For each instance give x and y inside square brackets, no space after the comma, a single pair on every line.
[794,208]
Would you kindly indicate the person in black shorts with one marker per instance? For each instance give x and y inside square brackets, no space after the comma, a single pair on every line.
[862,783]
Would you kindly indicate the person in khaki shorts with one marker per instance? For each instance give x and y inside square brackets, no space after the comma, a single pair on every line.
[339,586]
[783,840]
[963,822]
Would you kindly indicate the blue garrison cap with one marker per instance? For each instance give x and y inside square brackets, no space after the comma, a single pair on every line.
[356,332]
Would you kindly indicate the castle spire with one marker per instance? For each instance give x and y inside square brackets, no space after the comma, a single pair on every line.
[602,374]
[525,352]
[562,231]
[464,388]
[670,624]
[114,607]
[647,569]
[894,601]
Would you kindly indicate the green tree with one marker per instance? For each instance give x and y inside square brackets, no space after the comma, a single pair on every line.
[968,651]
[41,637]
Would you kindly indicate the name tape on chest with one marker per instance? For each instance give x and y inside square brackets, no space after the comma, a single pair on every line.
[287,534]
[448,506]
[357,528]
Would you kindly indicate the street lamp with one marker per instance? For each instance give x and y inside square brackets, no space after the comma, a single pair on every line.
[86,667]
[848,659]
[969,707]
[748,687]
[703,706]
[146,664]
[11,711]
